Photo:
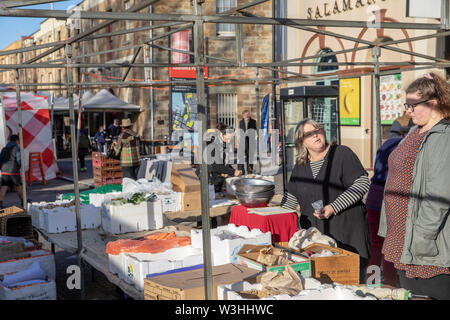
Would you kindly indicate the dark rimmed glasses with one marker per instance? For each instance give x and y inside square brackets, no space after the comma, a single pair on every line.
[412,105]
[312,133]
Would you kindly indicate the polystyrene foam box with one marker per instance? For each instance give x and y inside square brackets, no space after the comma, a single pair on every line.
[132,218]
[139,265]
[61,219]
[45,258]
[37,219]
[37,291]
[170,202]
[116,264]
[97,199]
[227,240]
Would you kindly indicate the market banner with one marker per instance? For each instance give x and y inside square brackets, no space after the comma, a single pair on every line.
[265,112]
[349,102]
[181,41]
[391,106]
[37,131]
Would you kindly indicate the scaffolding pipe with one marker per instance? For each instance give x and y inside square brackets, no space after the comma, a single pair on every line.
[22,153]
[199,48]
[133,15]
[73,141]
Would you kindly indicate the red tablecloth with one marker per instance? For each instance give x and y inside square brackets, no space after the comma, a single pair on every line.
[282,226]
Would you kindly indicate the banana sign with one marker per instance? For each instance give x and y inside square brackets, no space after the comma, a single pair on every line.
[349,102]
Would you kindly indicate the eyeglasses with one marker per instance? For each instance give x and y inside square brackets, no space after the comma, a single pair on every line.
[412,105]
[312,133]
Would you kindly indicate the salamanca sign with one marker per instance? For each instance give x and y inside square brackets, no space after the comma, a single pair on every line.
[330,8]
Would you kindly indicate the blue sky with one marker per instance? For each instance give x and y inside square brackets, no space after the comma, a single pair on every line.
[14,28]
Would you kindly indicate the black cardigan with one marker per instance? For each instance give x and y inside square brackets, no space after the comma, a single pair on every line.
[340,169]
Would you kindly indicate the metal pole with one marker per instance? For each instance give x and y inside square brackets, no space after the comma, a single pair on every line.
[376,51]
[258,120]
[283,145]
[22,153]
[73,141]
[199,49]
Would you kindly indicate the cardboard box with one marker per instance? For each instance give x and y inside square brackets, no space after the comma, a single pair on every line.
[184,179]
[341,268]
[189,285]
[191,201]
[249,253]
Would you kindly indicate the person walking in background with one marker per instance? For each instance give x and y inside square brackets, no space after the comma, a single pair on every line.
[100,139]
[84,148]
[415,214]
[331,173]
[246,124]
[127,146]
[10,167]
[374,202]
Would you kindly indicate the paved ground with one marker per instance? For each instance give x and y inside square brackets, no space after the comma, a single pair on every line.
[97,286]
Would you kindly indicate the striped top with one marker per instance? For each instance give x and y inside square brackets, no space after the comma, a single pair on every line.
[348,198]
[397,194]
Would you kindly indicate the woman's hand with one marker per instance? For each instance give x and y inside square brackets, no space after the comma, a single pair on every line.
[326,213]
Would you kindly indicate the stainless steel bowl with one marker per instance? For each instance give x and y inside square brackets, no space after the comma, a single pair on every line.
[255,199]
[251,185]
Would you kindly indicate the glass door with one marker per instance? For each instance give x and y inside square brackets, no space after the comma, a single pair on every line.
[293,114]
[325,111]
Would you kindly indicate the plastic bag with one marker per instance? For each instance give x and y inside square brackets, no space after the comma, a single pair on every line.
[317,205]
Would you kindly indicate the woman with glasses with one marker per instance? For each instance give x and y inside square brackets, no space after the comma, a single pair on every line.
[331,173]
[414,218]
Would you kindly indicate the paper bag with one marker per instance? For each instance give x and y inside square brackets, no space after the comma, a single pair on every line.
[287,282]
[270,258]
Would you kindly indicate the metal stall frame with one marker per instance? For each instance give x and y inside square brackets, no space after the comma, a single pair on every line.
[237,16]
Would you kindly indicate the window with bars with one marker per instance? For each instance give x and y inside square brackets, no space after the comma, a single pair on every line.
[225,29]
[226,109]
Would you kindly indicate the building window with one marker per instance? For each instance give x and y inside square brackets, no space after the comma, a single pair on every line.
[225,29]
[327,59]
[227,109]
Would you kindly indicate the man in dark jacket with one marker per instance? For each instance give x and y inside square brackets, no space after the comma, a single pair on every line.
[10,168]
[218,170]
[114,130]
[246,124]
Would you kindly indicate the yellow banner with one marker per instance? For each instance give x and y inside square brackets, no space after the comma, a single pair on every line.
[349,102]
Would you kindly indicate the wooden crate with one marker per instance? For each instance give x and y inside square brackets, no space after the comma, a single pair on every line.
[99,160]
[341,268]
[108,173]
[106,180]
